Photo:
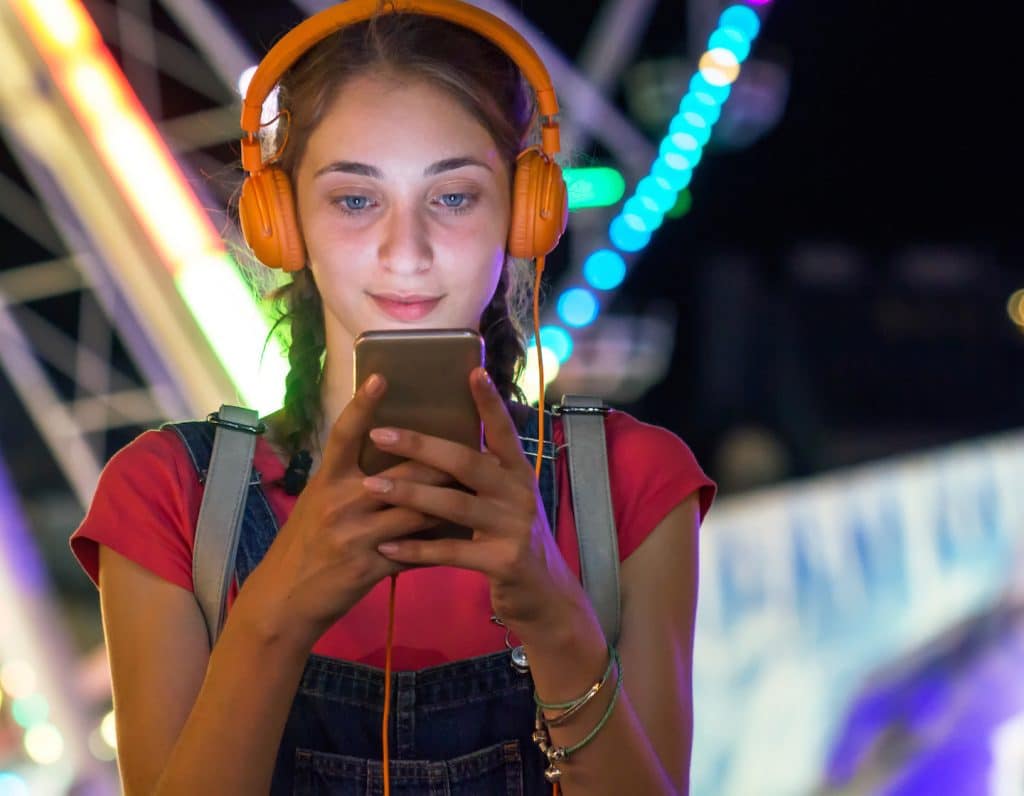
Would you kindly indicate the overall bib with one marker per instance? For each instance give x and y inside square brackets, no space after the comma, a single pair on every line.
[459,729]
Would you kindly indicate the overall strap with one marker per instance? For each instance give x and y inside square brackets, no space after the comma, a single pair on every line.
[583,423]
[220,515]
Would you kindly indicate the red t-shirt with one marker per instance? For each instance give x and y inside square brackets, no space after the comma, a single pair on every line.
[148,497]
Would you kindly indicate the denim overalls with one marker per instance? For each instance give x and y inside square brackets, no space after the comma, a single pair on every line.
[459,729]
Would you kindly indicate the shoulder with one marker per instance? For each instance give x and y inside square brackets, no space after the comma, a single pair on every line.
[651,470]
[627,436]
[646,459]
[152,453]
[144,507]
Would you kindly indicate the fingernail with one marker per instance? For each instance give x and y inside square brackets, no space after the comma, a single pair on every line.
[376,484]
[384,436]
[387,548]
[374,384]
[485,377]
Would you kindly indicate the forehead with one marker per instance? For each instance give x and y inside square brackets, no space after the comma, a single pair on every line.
[381,119]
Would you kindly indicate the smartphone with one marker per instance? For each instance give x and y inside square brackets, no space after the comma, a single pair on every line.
[427,373]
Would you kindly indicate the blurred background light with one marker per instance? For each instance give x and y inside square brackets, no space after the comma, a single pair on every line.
[597,186]
[626,237]
[30,710]
[732,40]
[741,18]
[245,79]
[555,339]
[719,67]
[530,377]
[577,307]
[44,744]
[12,785]
[18,678]
[604,269]
[1015,307]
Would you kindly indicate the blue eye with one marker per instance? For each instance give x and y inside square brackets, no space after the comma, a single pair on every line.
[457,202]
[354,203]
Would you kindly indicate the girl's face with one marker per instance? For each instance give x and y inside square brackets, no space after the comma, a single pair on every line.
[404,204]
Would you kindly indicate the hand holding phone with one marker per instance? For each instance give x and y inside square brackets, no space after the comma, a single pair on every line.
[427,371]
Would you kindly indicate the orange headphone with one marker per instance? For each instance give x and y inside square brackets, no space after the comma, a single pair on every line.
[267,207]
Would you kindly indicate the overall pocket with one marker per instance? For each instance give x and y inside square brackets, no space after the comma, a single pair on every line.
[494,771]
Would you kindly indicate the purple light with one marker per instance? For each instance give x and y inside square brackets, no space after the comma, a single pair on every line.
[16,545]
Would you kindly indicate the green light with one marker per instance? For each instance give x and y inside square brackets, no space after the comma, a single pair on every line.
[682,205]
[598,186]
[30,710]
[236,329]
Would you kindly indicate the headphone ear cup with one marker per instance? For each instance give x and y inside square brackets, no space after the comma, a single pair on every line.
[266,213]
[534,231]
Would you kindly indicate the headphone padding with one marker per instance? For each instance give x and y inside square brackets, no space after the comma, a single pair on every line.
[531,234]
[266,213]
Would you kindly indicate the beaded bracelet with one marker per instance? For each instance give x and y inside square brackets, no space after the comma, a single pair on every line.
[573,706]
[556,754]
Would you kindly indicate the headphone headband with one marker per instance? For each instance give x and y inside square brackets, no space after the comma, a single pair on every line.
[321,25]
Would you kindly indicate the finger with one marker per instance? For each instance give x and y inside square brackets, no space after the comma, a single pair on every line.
[365,501]
[499,429]
[449,504]
[416,471]
[463,553]
[396,521]
[342,449]
[467,466]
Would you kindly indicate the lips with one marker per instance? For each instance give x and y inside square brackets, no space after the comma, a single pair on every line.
[405,307]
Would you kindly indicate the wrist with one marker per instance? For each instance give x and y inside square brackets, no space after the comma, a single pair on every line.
[569,623]
[266,620]
[567,653]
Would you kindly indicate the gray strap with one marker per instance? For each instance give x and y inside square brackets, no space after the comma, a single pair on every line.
[583,421]
[220,515]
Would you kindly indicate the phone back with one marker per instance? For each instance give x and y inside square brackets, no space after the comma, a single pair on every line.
[427,372]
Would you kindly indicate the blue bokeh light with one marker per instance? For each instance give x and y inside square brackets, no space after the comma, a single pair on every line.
[577,307]
[677,178]
[660,191]
[698,104]
[627,238]
[555,339]
[12,785]
[604,270]
[742,18]
[646,211]
[732,40]
[684,123]
[700,85]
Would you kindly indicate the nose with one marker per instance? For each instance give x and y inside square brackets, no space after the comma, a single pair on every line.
[405,242]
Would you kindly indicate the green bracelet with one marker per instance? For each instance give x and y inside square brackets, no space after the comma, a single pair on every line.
[556,754]
[575,704]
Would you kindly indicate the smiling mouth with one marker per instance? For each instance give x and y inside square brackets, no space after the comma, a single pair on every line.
[406,308]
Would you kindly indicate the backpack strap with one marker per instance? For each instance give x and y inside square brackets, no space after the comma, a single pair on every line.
[220,514]
[583,422]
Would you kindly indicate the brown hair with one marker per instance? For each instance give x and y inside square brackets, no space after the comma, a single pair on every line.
[478,75]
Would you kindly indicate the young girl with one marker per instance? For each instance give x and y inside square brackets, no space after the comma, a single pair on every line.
[399,142]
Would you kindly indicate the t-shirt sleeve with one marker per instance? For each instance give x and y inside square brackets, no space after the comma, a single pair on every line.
[651,472]
[144,508]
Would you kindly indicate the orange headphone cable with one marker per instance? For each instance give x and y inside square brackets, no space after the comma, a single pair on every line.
[540,365]
[394,578]
[555,791]
[385,763]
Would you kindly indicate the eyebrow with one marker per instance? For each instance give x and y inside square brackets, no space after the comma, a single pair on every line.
[366,170]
